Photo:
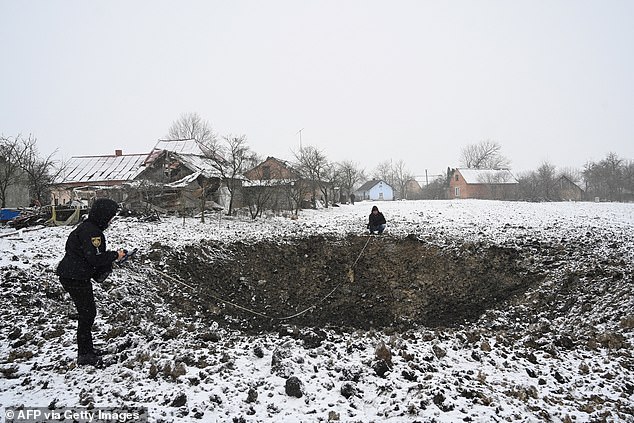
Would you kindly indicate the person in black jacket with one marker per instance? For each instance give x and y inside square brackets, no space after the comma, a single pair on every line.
[376,222]
[87,258]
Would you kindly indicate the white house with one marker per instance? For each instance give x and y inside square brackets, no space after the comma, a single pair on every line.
[375,190]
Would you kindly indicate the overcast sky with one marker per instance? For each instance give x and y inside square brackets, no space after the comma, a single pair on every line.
[366,80]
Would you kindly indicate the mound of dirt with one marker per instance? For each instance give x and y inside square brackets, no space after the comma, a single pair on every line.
[355,282]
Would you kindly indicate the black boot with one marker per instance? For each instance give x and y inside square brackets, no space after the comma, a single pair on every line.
[90,359]
[99,352]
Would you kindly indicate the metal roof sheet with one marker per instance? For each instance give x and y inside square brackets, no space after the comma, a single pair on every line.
[175,146]
[196,163]
[94,169]
[370,184]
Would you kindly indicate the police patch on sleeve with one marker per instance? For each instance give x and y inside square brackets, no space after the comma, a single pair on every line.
[96,241]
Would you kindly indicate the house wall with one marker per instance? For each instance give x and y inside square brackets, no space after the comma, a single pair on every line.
[64,193]
[270,169]
[458,187]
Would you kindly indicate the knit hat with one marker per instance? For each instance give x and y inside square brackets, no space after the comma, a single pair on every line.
[375,208]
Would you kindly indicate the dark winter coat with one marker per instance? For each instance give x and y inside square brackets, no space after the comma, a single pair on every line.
[86,254]
[376,220]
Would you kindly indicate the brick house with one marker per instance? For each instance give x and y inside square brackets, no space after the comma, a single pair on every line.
[276,185]
[484,184]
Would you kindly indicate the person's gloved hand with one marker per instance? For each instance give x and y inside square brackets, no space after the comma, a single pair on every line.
[122,254]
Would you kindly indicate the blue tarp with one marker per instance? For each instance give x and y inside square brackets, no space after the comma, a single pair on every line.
[8,214]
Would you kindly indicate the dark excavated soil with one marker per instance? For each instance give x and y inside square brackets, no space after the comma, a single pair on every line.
[378,282]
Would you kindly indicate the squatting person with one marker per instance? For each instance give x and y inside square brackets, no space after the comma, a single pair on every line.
[86,258]
[376,222]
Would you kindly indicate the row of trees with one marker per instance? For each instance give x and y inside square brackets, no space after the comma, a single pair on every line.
[20,162]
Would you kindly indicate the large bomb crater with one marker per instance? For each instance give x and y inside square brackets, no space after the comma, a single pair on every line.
[356,282]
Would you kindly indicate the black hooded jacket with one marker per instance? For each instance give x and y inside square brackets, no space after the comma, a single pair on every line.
[376,219]
[86,254]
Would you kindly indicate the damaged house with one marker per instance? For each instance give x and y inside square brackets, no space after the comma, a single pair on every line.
[178,175]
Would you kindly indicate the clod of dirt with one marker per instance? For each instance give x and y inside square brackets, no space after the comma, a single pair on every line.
[294,387]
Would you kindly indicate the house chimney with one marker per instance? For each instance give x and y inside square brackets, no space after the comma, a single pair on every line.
[118,152]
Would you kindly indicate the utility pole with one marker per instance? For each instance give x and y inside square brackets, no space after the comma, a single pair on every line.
[426,178]
[300,138]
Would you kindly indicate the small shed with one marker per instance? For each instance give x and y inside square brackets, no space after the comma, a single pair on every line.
[375,190]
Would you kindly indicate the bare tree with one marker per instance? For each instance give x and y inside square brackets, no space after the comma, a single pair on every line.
[239,158]
[547,179]
[606,179]
[436,189]
[231,158]
[10,170]
[260,196]
[528,186]
[395,174]
[314,166]
[192,126]
[573,174]
[350,174]
[402,176]
[385,172]
[483,155]
[628,176]
[539,185]
[40,171]
[19,158]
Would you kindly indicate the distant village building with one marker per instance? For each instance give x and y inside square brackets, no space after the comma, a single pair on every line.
[484,184]
[568,190]
[413,190]
[375,190]
[277,185]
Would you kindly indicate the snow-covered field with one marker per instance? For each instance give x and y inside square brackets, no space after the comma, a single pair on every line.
[561,352]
